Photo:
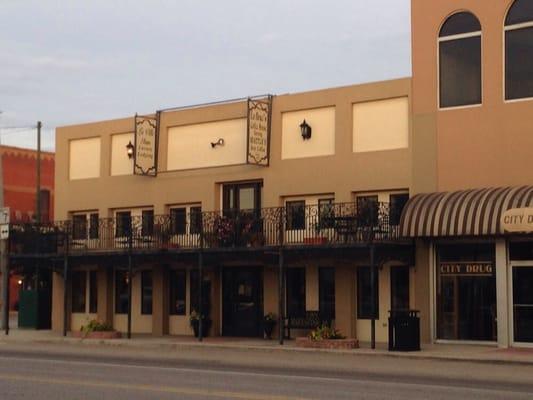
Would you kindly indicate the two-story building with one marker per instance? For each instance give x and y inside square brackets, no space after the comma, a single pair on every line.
[342,203]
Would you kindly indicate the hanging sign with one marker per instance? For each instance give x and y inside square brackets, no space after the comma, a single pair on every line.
[517,220]
[258,142]
[145,154]
[466,268]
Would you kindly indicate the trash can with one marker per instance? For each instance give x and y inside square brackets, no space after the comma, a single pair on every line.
[404,330]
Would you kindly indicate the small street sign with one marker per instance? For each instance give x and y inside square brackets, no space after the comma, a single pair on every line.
[4,216]
[4,231]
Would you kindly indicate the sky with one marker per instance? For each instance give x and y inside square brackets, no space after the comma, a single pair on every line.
[72,61]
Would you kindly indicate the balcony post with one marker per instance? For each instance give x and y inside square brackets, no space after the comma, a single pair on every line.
[5,285]
[373,297]
[200,281]
[281,298]
[130,277]
[65,286]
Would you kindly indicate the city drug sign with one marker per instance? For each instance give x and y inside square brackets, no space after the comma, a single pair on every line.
[517,220]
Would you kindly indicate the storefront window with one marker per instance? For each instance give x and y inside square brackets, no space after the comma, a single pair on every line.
[366,308]
[121,292]
[79,285]
[146,291]
[466,292]
[177,288]
[296,292]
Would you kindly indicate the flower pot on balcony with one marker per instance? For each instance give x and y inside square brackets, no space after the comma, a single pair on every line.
[316,240]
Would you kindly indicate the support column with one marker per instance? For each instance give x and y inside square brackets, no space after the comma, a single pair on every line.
[159,301]
[345,300]
[424,295]
[502,297]
[58,293]
[105,294]
[281,298]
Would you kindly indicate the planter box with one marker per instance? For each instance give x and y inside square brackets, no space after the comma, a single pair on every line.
[315,240]
[338,344]
[97,335]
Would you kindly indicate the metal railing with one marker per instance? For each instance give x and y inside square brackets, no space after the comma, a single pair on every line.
[293,225]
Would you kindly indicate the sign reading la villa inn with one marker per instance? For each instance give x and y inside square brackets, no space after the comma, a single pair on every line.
[258,146]
[145,154]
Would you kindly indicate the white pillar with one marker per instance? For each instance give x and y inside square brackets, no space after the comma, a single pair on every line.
[502,304]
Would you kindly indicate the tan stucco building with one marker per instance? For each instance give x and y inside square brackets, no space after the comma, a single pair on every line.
[342,164]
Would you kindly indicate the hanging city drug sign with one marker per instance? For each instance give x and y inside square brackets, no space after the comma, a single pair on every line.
[259,119]
[517,220]
[145,153]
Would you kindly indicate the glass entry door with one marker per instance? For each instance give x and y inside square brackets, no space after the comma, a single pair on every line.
[523,304]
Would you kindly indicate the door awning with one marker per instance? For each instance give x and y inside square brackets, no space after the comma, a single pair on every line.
[475,212]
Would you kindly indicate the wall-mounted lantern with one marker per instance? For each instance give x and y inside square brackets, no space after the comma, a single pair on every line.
[305,129]
[129,149]
[219,142]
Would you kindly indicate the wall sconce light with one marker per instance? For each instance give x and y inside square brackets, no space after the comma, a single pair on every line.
[219,142]
[129,149]
[305,129]
[19,282]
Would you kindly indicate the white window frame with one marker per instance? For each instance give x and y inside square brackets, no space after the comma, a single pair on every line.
[507,28]
[187,238]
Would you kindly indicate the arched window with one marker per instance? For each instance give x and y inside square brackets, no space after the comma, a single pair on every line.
[460,61]
[519,51]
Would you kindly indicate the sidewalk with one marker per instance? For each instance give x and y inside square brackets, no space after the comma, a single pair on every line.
[445,352]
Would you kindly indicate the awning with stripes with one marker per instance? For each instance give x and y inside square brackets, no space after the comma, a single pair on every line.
[475,212]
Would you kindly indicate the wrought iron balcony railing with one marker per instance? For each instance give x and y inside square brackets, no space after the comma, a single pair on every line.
[293,225]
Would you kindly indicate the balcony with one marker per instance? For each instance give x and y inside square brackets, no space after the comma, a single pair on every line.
[325,225]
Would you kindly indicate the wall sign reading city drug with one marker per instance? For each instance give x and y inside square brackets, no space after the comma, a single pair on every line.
[517,220]
[259,117]
[145,155]
[466,268]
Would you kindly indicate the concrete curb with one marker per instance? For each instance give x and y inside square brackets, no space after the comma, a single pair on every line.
[124,343]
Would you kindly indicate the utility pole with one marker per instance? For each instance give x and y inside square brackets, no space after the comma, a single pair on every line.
[38,193]
[4,270]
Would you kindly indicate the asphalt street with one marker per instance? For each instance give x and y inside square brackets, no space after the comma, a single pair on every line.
[33,373]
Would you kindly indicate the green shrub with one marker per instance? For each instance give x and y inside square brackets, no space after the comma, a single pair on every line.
[96,326]
[325,332]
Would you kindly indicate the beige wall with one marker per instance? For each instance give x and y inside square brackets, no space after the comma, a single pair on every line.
[121,164]
[341,174]
[84,158]
[381,125]
[468,147]
[190,146]
[322,142]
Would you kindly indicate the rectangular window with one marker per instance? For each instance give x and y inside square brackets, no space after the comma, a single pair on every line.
[79,227]
[146,292]
[123,223]
[177,292]
[295,215]
[518,63]
[396,205]
[399,283]
[93,292]
[206,294]
[147,228]
[79,289]
[196,219]
[326,213]
[122,282]
[366,309]
[368,210]
[460,72]
[326,292]
[178,218]
[296,292]
[94,226]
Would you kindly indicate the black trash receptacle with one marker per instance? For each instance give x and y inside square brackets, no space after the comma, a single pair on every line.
[404,330]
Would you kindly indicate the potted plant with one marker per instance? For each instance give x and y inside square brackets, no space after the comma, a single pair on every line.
[96,329]
[194,320]
[269,322]
[318,238]
[326,337]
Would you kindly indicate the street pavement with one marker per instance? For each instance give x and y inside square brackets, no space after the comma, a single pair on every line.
[62,371]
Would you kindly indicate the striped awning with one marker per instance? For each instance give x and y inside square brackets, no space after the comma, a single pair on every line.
[473,212]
